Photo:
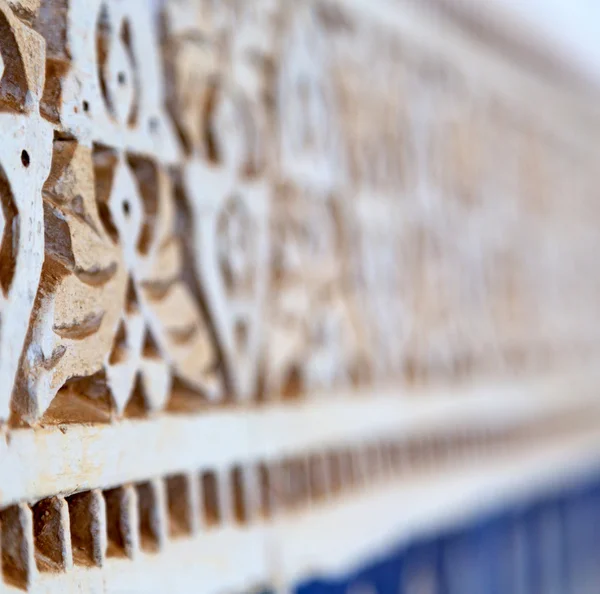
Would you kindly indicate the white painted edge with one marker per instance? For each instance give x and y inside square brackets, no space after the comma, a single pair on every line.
[337,538]
[68,458]
[333,538]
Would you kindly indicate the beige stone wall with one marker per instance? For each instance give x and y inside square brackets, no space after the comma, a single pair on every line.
[249,249]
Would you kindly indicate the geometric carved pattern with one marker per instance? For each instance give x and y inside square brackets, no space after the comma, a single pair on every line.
[224,218]
[232,170]
[209,204]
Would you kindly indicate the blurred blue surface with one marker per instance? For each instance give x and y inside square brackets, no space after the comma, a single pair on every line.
[550,546]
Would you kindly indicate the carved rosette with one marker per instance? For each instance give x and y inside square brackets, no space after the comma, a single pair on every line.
[231,247]
[225,180]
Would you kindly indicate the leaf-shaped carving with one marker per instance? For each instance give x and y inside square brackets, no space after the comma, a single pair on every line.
[83,283]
